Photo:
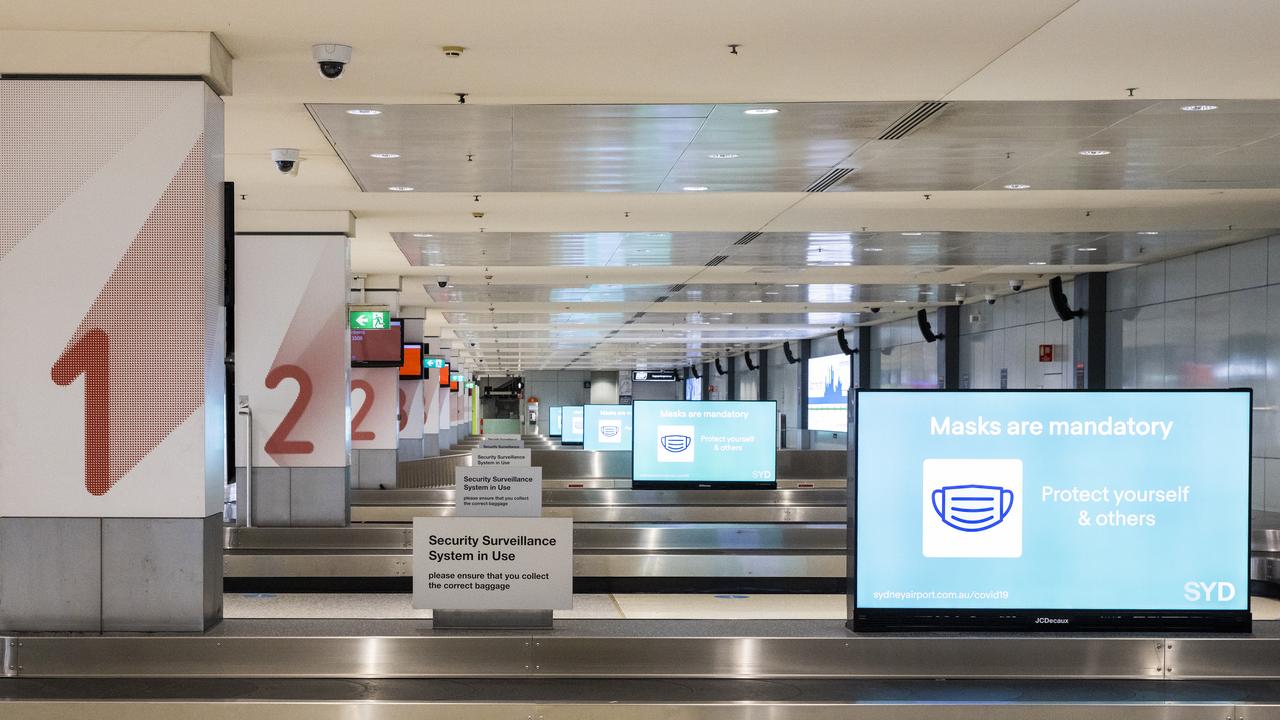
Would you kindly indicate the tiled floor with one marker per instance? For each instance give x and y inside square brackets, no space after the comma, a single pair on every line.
[585,607]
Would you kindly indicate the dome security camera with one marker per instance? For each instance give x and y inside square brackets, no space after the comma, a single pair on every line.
[1015,285]
[990,298]
[875,310]
[286,160]
[442,281]
[332,58]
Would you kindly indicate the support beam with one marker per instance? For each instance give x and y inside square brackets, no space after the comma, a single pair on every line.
[1089,346]
[948,328]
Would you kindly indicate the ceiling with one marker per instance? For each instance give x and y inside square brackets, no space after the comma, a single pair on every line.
[585,121]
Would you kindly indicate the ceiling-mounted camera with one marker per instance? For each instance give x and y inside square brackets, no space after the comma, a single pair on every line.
[442,281]
[286,160]
[990,298]
[332,58]
[875,310]
[1015,285]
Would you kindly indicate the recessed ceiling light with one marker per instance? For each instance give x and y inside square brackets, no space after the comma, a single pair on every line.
[1017,186]
[1198,108]
[912,234]
[793,286]
[1148,232]
[364,112]
[1094,153]
[899,301]
[384,156]
[723,156]
[872,249]
[761,111]
[771,292]
[755,301]
[1041,262]
[400,188]
[423,235]
[694,188]
[1088,249]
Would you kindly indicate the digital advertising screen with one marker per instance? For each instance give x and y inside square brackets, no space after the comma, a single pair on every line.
[704,444]
[607,427]
[554,420]
[445,379]
[1044,510]
[382,347]
[571,426]
[411,365]
[828,393]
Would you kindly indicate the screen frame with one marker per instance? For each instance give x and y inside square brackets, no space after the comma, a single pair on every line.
[631,447]
[771,484]
[396,324]
[421,353]
[1032,619]
[444,381]
[551,410]
[563,415]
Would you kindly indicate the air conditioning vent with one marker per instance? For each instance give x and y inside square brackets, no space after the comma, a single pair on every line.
[826,181]
[662,298]
[746,239]
[912,121]
[717,260]
[676,288]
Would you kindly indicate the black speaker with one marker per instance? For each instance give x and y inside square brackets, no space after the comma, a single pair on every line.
[843,342]
[750,365]
[720,368]
[926,330]
[786,350]
[1059,299]
[694,369]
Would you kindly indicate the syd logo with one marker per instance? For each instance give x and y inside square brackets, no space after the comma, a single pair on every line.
[1196,591]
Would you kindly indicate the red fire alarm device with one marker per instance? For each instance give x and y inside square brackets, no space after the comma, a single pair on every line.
[1046,353]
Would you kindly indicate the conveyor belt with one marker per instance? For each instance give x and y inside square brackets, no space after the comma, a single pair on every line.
[624,699]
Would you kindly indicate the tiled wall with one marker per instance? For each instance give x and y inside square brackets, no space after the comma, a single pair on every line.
[1206,320]
[900,358]
[1004,339]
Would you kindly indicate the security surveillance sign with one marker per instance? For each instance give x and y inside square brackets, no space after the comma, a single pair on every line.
[492,563]
[505,491]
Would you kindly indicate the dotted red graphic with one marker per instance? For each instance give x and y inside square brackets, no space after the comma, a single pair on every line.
[149,321]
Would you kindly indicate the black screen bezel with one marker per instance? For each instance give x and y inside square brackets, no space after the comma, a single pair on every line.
[703,484]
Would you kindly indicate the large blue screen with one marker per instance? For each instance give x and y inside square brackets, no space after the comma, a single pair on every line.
[571,425]
[557,414]
[1053,500]
[607,427]
[709,442]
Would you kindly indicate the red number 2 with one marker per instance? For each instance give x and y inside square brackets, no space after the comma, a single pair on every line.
[365,407]
[91,356]
[279,442]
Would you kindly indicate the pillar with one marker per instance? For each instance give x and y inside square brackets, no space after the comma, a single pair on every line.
[292,370]
[948,328]
[111,430]
[1089,343]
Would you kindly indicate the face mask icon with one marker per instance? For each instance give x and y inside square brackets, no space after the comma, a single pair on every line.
[675,443]
[608,430]
[972,508]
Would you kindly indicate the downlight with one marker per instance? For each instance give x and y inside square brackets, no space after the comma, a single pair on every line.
[1198,108]
[761,111]
[1017,186]
[364,112]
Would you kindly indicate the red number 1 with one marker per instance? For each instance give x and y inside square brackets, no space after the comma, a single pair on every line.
[91,356]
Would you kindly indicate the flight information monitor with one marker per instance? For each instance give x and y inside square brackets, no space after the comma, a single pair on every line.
[380,347]
[1044,510]
[607,427]
[411,367]
[571,426]
[554,419]
[828,393]
[703,444]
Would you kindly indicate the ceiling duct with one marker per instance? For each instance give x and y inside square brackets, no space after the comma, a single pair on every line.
[746,239]
[912,121]
[834,176]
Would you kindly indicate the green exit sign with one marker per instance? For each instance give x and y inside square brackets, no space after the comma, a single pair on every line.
[431,363]
[370,319]
[456,377]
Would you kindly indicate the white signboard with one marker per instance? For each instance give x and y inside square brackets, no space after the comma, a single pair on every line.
[492,563]
[501,491]
[501,441]
[502,456]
